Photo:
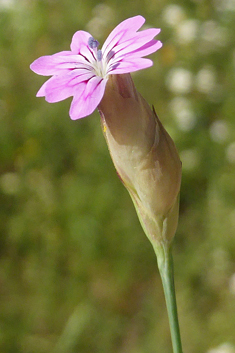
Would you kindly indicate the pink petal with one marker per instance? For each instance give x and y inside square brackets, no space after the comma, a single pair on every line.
[79,38]
[46,65]
[85,103]
[130,65]
[136,42]
[58,64]
[42,90]
[61,87]
[86,53]
[145,50]
[122,31]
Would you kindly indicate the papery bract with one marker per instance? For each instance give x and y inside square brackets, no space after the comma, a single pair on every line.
[83,72]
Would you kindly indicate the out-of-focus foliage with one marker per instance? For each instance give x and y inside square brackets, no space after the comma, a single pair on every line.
[77,273]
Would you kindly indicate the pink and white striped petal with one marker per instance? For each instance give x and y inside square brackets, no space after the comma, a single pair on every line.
[135,43]
[61,87]
[122,32]
[85,102]
[79,38]
[54,64]
[130,65]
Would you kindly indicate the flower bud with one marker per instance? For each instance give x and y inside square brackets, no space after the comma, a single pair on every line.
[144,156]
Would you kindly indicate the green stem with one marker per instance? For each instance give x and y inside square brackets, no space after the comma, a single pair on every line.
[165,264]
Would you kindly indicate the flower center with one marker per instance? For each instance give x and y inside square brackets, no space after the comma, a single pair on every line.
[98,64]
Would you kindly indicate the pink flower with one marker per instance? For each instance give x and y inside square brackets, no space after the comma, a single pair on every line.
[83,72]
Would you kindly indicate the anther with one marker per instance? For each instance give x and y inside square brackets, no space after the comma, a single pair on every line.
[93,43]
[99,55]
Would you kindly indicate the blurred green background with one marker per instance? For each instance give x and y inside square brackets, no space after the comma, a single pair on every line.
[77,273]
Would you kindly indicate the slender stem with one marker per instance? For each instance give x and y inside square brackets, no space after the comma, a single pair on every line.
[165,264]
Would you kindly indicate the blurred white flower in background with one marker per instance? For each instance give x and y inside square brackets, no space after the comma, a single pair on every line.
[7,4]
[173,14]
[187,31]
[183,112]
[103,15]
[103,10]
[230,152]
[219,131]
[225,5]
[206,80]
[10,183]
[213,36]
[223,348]
[179,80]
[229,5]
